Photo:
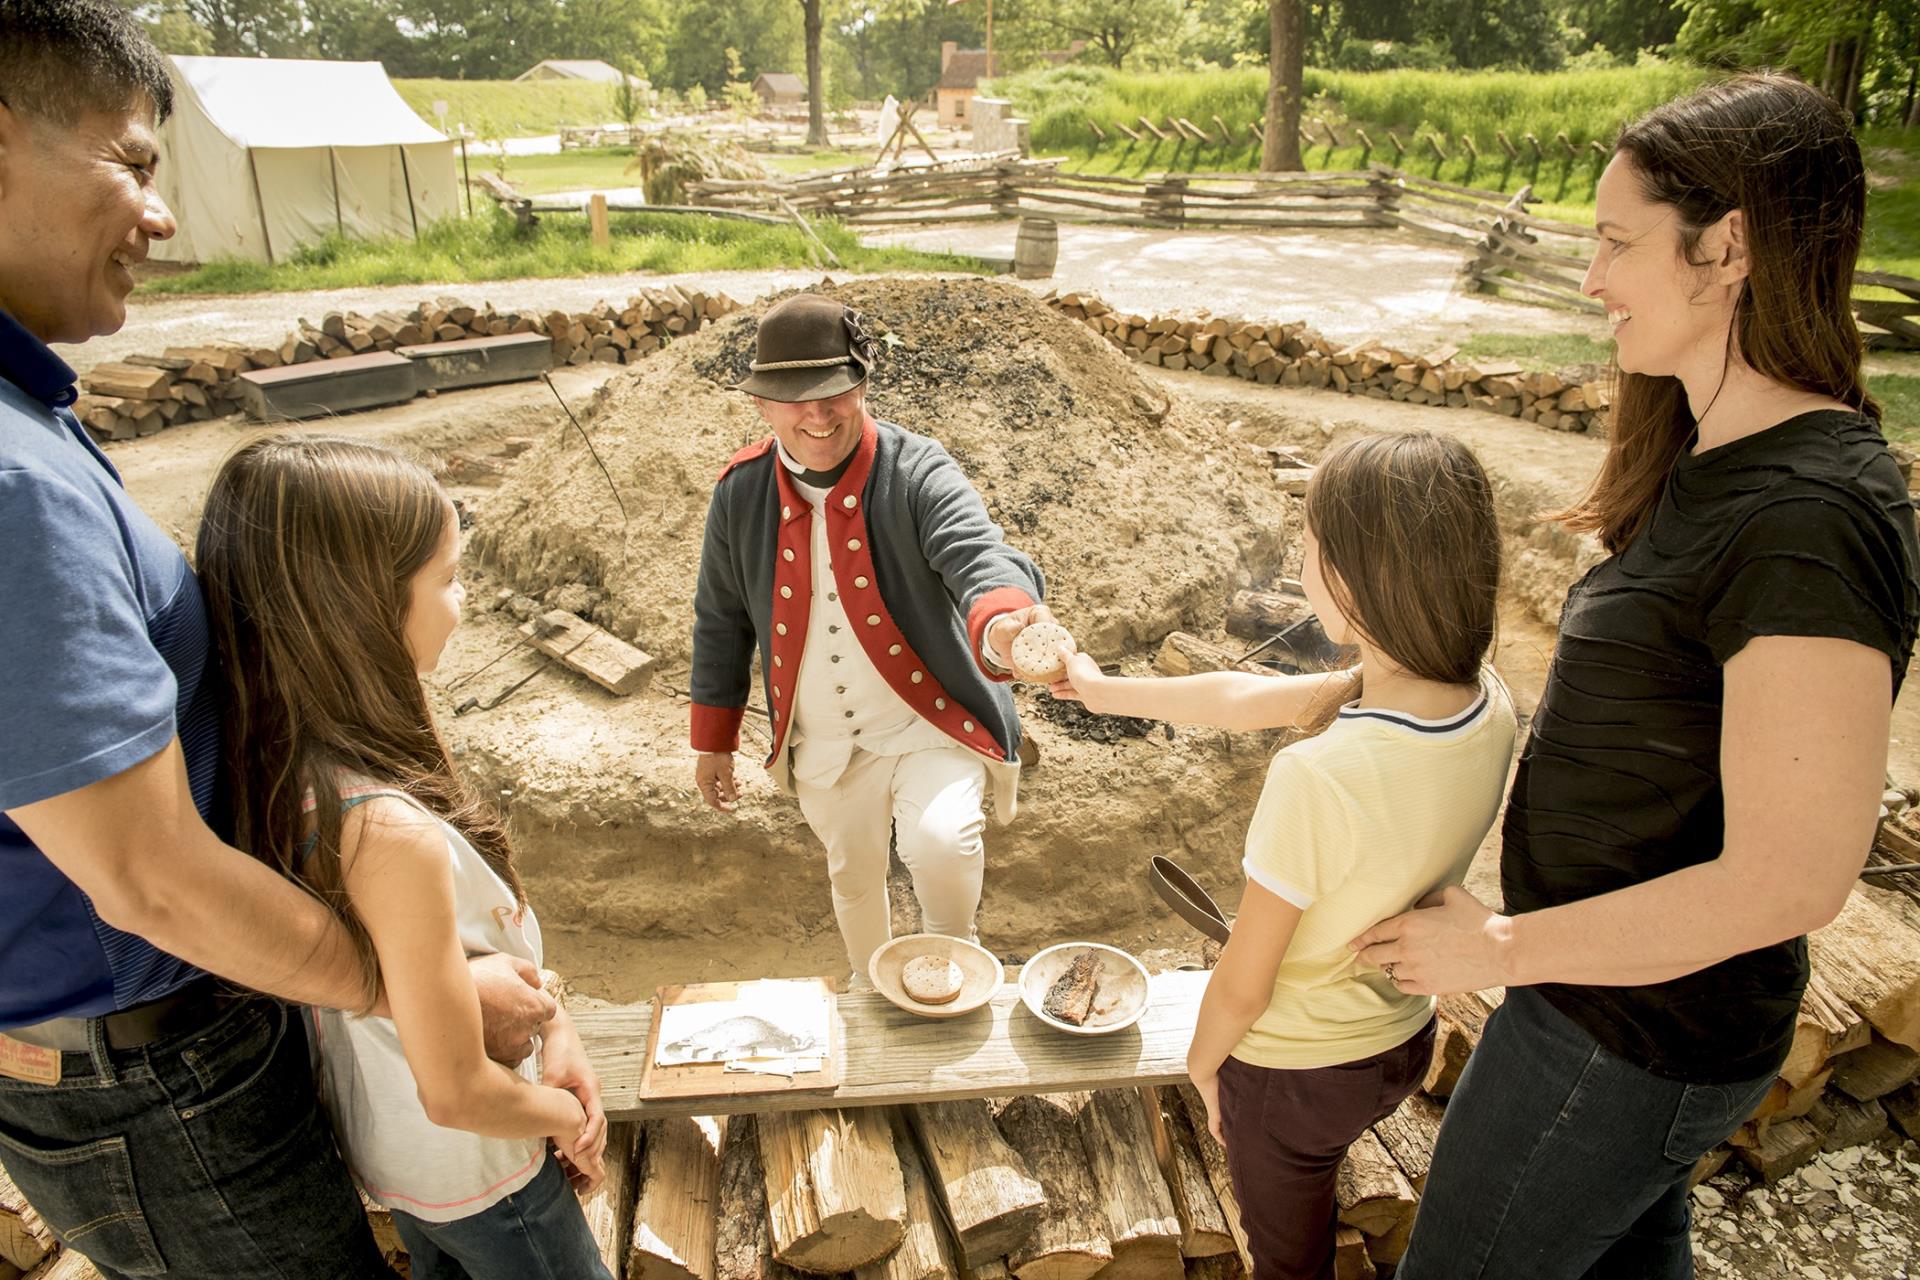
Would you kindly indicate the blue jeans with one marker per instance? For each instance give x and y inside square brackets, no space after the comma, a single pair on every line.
[203,1156]
[537,1233]
[1557,1159]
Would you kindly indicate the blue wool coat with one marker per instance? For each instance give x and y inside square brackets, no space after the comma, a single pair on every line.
[904,520]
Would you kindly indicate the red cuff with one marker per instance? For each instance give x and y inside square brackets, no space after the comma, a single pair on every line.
[988,607]
[717,728]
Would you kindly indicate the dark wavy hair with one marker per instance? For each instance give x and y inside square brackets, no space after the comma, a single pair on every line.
[307,553]
[1784,154]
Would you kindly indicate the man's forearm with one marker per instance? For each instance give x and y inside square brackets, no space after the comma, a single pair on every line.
[235,917]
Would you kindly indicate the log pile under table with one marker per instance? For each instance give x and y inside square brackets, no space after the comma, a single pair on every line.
[141,395]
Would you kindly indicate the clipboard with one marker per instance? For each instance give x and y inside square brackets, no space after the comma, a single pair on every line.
[712,1079]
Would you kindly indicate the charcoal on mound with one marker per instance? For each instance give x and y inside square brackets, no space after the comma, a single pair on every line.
[1141,512]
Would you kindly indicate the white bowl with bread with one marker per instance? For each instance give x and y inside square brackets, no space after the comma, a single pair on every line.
[1084,988]
[935,976]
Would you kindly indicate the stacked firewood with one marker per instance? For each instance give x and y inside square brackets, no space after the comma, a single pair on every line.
[1294,355]
[141,395]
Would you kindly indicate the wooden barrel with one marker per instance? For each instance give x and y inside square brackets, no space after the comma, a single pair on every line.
[1036,248]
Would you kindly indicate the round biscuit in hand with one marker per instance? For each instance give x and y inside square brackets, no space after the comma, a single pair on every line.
[931,979]
[1036,652]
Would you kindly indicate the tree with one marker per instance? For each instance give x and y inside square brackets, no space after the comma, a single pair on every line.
[1628,26]
[1280,144]
[1113,30]
[816,115]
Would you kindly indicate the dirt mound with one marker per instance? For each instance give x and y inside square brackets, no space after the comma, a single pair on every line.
[1143,514]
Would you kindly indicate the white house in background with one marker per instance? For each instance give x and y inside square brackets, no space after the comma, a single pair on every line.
[575,69]
[263,155]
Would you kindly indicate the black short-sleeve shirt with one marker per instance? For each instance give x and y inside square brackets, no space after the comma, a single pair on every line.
[1804,529]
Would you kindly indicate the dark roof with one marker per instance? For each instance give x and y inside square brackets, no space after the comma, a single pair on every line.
[965,70]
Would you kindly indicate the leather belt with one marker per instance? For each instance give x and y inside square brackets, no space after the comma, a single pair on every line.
[1192,903]
[192,1006]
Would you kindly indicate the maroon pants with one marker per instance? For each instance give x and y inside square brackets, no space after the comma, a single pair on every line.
[1286,1134]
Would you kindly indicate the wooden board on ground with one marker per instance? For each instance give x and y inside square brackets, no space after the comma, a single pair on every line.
[990,1198]
[322,388]
[711,1082]
[891,1057]
[1879,1068]
[479,362]
[600,656]
[1783,1148]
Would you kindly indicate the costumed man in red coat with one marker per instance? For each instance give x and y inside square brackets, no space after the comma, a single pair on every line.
[856,560]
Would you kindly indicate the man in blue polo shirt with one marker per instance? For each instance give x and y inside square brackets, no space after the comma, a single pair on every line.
[161,1121]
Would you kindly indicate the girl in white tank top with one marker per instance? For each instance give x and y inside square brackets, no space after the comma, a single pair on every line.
[330,568]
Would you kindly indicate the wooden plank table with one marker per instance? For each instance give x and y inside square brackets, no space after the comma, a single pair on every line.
[894,1057]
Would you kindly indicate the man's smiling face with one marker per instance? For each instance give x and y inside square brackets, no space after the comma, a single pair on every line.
[818,434]
[78,209]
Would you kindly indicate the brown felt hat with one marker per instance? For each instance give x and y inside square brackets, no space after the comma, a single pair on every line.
[808,348]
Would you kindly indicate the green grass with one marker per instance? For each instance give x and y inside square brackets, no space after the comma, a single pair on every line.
[1899,397]
[584,169]
[1585,105]
[1538,350]
[812,161]
[492,248]
[511,108]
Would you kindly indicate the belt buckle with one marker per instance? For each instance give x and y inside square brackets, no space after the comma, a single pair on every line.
[29,1062]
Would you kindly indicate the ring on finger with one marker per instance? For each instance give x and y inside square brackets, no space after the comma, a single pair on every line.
[1387,969]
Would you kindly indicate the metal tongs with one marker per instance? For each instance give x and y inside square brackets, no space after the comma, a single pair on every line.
[1189,901]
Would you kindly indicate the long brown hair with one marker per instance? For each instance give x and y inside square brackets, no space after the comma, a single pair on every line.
[1784,153]
[1411,544]
[307,551]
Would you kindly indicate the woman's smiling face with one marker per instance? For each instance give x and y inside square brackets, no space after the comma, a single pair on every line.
[1663,308]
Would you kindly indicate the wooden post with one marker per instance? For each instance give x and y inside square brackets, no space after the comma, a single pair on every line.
[674,1219]
[597,220]
[835,1196]
[333,167]
[990,1199]
[406,175]
[260,205]
[1069,1241]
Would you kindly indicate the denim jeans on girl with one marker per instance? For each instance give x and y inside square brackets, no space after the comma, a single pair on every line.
[204,1156]
[1558,1160]
[537,1233]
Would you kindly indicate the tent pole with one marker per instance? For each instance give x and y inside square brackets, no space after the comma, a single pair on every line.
[260,204]
[409,181]
[333,163]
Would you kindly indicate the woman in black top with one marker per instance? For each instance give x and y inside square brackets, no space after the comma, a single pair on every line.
[1701,780]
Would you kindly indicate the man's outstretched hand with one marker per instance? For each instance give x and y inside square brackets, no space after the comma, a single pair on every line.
[1006,628]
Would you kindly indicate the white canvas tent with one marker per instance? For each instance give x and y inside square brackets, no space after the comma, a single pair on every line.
[263,155]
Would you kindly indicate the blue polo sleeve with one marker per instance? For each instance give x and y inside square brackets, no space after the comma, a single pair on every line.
[85,694]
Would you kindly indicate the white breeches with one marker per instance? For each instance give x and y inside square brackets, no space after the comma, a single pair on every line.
[930,801]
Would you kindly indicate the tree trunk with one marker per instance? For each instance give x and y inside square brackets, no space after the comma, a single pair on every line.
[1280,147]
[816,113]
